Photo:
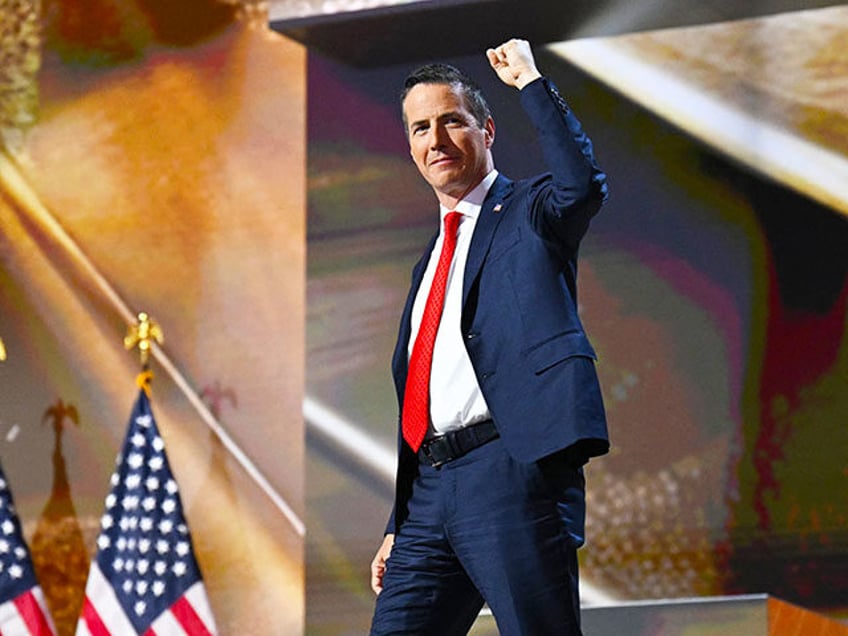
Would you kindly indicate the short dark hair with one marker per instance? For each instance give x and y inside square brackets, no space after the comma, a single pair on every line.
[447,74]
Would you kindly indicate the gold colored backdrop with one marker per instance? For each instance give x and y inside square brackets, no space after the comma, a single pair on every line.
[156,162]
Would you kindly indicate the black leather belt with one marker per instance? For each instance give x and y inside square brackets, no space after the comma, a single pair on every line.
[444,448]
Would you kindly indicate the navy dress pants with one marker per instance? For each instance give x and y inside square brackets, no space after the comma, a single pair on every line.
[486,528]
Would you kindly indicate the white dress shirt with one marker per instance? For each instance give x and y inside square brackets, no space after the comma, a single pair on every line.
[455,396]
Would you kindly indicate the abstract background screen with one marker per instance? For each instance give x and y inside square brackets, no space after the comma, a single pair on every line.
[713,286]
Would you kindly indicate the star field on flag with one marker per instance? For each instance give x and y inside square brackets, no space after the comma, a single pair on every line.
[145,578]
[23,609]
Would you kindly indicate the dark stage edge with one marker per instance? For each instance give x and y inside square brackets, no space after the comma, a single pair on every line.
[439,29]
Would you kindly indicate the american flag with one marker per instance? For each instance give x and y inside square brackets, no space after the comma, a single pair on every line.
[23,610]
[145,578]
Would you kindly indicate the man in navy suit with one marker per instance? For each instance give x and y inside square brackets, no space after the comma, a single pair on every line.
[490,507]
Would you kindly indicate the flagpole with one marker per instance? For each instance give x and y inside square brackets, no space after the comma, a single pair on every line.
[23,194]
[147,335]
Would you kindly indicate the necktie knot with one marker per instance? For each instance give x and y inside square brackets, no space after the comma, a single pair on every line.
[452,220]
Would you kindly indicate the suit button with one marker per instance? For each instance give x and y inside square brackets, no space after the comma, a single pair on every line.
[470,336]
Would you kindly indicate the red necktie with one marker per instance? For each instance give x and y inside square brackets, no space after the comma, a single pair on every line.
[416,398]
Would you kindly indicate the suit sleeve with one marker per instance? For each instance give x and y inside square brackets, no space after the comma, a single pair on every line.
[563,201]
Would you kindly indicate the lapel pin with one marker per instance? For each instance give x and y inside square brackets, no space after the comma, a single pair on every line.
[498,207]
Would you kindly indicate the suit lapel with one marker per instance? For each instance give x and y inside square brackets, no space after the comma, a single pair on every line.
[484,231]
[400,358]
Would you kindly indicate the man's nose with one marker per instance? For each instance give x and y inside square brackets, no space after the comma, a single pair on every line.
[438,137]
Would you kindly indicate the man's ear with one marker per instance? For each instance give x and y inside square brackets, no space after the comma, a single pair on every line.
[489,132]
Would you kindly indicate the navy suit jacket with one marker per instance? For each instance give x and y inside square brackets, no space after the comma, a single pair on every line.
[533,361]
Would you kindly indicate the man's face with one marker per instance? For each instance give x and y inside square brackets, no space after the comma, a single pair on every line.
[450,149]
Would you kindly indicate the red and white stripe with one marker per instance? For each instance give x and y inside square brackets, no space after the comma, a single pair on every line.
[102,614]
[26,615]
[190,615]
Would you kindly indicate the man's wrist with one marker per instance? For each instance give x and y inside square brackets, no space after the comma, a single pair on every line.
[527,78]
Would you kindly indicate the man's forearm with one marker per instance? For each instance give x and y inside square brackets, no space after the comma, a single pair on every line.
[566,147]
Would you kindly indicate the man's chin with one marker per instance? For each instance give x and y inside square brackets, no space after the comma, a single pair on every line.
[447,179]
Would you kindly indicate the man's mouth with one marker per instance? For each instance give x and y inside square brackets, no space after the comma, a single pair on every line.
[442,161]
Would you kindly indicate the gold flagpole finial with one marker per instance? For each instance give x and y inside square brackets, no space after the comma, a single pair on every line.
[141,334]
[2,350]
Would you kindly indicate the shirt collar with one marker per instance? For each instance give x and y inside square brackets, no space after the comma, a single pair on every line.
[473,201]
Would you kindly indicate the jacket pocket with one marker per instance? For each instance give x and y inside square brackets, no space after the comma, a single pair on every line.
[552,351]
